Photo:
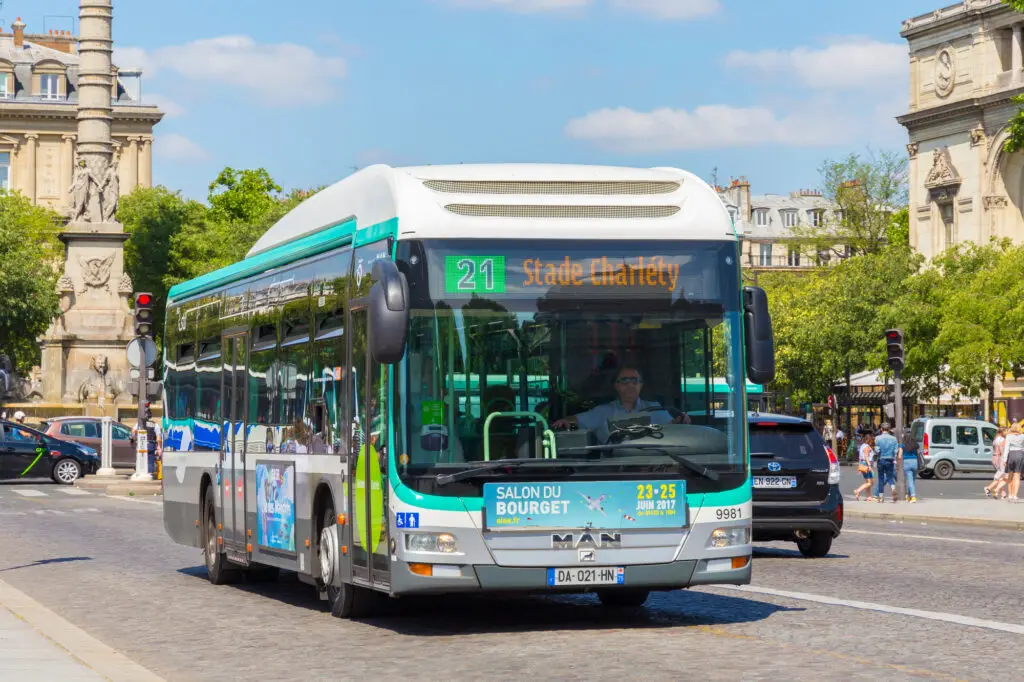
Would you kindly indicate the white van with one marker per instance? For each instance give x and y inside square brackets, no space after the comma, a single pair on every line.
[948,444]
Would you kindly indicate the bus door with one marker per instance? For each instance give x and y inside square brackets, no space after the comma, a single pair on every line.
[232,468]
[367,392]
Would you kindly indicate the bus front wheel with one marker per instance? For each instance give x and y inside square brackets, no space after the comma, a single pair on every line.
[347,601]
[217,569]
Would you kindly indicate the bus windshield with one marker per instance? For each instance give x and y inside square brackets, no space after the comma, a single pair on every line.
[576,359]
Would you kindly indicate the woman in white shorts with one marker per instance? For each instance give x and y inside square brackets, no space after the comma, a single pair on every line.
[1000,479]
[1014,460]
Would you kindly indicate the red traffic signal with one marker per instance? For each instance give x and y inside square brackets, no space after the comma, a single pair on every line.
[144,314]
[894,349]
[144,299]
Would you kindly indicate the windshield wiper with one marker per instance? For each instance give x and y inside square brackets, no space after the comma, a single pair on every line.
[445,479]
[686,462]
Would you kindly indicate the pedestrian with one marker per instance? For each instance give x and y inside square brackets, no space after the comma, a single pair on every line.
[999,480]
[887,446]
[908,457]
[840,441]
[19,417]
[865,459]
[1014,460]
[154,440]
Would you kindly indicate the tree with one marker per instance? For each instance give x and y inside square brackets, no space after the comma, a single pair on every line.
[244,196]
[153,216]
[866,192]
[29,266]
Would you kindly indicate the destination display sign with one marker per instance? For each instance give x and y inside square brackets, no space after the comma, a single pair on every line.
[643,273]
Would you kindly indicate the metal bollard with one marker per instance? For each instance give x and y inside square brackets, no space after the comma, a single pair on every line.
[106,447]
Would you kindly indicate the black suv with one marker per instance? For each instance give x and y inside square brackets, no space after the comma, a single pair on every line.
[796,484]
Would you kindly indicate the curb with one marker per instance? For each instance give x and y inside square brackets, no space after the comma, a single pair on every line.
[75,642]
[953,520]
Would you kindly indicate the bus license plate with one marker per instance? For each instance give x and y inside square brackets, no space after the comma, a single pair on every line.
[586,576]
[774,481]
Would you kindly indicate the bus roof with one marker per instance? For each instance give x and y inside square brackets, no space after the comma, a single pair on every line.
[506,201]
[515,201]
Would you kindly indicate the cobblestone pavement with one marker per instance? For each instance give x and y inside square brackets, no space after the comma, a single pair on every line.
[114,573]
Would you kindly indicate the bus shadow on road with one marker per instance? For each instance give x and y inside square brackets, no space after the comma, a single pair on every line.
[443,616]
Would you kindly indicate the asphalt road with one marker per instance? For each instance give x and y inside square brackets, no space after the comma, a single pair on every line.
[892,601]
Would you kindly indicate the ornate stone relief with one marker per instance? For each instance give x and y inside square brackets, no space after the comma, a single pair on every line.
[95,272]
[945,72]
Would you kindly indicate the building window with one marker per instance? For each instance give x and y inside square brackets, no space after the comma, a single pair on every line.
[6,90]
[761,216]
[816,217]
[794,258]
[48,83]
[5,170]
[789,218]
[766,255]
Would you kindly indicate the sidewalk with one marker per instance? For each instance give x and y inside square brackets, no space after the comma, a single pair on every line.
[985,512]
[37,644]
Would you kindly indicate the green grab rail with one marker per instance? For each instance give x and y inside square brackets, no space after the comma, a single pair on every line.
[550,449]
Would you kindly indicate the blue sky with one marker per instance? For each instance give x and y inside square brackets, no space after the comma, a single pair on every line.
[312,89]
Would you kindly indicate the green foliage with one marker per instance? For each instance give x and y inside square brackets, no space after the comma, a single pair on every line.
[244,196]
[868,193]
[30,261]
[1015,4]
[1015,128]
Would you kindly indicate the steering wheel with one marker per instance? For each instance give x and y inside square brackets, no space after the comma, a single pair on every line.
[673,412]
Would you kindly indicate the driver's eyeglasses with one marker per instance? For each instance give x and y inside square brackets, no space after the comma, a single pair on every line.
[628,380]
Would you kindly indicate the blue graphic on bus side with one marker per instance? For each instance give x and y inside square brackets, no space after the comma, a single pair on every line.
[407,519]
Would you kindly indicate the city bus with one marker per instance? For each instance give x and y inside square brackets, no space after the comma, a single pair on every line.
[376,397]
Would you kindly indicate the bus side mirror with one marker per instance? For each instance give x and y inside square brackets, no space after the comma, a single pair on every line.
[389,313]
[757,328]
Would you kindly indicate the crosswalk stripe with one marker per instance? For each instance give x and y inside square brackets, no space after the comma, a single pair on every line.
[74,491]
[29,492]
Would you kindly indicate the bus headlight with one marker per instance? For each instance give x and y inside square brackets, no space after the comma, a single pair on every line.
[431,542]
[729,537]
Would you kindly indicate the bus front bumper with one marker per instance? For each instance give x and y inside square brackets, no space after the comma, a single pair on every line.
[491,578]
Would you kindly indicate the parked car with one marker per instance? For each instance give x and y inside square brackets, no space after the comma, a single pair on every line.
[26,452]
[950,444]
[87,431]
[796,484]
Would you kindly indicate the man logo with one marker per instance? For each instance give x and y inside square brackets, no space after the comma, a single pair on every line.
[774,466]
[586,540]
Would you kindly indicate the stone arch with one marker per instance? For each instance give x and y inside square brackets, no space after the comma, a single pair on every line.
[1003,189]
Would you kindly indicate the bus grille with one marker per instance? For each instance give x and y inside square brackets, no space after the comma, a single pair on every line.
[517,211]
[550,187]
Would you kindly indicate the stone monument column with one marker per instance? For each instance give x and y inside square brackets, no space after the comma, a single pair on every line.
[84,359]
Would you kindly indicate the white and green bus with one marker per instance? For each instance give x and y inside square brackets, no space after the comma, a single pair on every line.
[369,398]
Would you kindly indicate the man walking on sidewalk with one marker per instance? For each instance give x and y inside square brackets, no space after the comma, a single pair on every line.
[887,445]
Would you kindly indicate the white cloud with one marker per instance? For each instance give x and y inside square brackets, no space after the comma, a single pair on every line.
[706,127]
[524,6]
[280,73]
[133,58]
[170,108]
[176,147]
[670,9]
[847,63]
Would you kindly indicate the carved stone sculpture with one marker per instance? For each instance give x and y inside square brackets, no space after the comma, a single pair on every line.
[80,190]
[109,193]
[95,271]
[99,385]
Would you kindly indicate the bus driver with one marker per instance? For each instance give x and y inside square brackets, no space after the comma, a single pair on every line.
[628,384]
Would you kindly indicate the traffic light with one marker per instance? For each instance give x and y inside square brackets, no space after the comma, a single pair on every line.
[144,315]
[894,348]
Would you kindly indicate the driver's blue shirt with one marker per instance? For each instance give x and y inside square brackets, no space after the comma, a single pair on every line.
[597,419]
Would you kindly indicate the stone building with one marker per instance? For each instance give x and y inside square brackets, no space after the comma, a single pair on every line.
[39,76]
[765,224]
[966,64]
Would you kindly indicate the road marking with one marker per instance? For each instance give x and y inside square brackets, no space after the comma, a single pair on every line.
[74,491]
[125,498]
[29,492]
[44,512]
[883,608]
[933,537]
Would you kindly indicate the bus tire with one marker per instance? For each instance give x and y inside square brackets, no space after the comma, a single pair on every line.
[623,598]
[217,570]
[347,601]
